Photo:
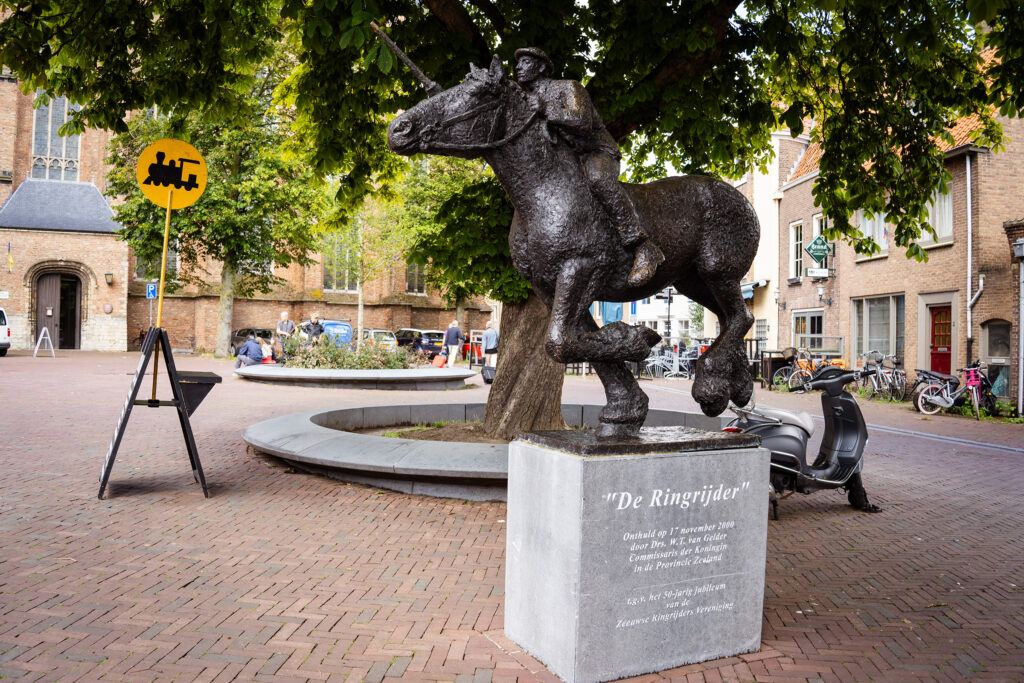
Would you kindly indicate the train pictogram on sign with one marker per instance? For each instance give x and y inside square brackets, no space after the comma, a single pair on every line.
[170,174]
[171,169]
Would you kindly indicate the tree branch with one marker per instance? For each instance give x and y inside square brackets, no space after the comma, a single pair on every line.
[457,20]
[675,67]
[493,14]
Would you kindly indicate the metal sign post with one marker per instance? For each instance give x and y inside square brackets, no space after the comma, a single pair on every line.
[150,295]
[188,389]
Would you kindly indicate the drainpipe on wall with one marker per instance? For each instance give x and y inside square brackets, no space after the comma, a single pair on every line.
[970,263]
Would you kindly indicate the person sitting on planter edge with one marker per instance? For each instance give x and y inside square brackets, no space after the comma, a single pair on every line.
[250,354]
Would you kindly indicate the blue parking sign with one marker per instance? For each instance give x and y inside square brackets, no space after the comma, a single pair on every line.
[150,290]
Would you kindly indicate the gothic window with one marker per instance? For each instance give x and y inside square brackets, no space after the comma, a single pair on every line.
[54,157]
[415,278]
[341,267]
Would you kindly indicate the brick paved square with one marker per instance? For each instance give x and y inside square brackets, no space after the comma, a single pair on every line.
[282,576]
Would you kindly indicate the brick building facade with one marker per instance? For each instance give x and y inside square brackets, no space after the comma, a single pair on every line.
[956,307]
[190,313]
[71,258]
[761,188]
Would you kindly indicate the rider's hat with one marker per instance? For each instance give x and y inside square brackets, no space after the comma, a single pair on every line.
[536,53]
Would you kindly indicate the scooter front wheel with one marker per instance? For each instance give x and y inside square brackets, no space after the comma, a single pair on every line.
[924,399]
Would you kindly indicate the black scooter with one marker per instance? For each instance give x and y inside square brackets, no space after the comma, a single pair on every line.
[785,433]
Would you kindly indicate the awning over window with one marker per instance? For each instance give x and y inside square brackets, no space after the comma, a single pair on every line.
[747,288]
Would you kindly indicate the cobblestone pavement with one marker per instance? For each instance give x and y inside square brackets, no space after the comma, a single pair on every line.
[283,576]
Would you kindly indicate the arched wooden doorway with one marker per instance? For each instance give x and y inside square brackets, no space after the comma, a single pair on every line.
[59,308]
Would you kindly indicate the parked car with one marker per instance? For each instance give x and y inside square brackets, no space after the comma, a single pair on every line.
[384,338]
[238,337]
[338,331]
[430,342]
[5,333]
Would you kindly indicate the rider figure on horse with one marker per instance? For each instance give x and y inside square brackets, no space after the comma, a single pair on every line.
[568,110]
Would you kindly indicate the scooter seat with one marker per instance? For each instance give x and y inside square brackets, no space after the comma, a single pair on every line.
[940,375]
[799,419]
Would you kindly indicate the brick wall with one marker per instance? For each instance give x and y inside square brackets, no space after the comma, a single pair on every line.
[16,122]
[85,255]
[8,129]
[190,313]
[802,294]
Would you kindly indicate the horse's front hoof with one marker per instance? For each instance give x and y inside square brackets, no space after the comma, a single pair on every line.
[714,407]
[711,393]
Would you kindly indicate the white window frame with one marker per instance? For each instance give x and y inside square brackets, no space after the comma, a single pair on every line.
[941,207]
[861,337]
[796,249]
[875,228]
[68,165]
[807,313]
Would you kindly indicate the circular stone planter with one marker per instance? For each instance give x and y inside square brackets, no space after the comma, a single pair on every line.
[319,442]
[426,379]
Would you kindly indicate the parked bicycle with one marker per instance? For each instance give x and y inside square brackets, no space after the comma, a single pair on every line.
[947,391]
[889,382]
[802,367]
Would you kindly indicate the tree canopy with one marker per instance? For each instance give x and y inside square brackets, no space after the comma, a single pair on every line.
[262,211]
[456,215]
[698,84]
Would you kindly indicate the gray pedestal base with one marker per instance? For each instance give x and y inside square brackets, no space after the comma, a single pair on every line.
[621,564]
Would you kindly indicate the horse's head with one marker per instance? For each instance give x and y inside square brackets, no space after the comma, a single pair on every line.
[465,121]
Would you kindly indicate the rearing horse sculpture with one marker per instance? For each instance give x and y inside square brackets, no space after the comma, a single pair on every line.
[565,246]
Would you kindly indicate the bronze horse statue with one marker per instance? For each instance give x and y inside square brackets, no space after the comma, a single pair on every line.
[564,244]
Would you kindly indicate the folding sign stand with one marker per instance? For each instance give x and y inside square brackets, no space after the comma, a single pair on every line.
[189,389]
[44,336]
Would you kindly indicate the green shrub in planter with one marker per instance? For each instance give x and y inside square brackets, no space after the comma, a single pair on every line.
[327,356]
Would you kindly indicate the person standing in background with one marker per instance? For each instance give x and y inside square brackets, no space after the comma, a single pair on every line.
[490,344]
[285,329]
[314,329]
[452,341]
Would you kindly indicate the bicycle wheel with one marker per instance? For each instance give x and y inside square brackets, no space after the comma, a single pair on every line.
[924,403]
[797,380]
[899,386]
[780,380]
[975,401]
[867,386]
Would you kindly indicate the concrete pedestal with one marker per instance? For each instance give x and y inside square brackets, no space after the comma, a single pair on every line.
[629,558]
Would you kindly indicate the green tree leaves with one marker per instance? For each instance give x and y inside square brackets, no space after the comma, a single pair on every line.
[697,85]
[261,205]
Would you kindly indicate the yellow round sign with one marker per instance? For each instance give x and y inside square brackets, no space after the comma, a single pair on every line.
[171,169]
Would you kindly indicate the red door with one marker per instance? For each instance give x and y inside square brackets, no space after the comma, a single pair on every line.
[942,338]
